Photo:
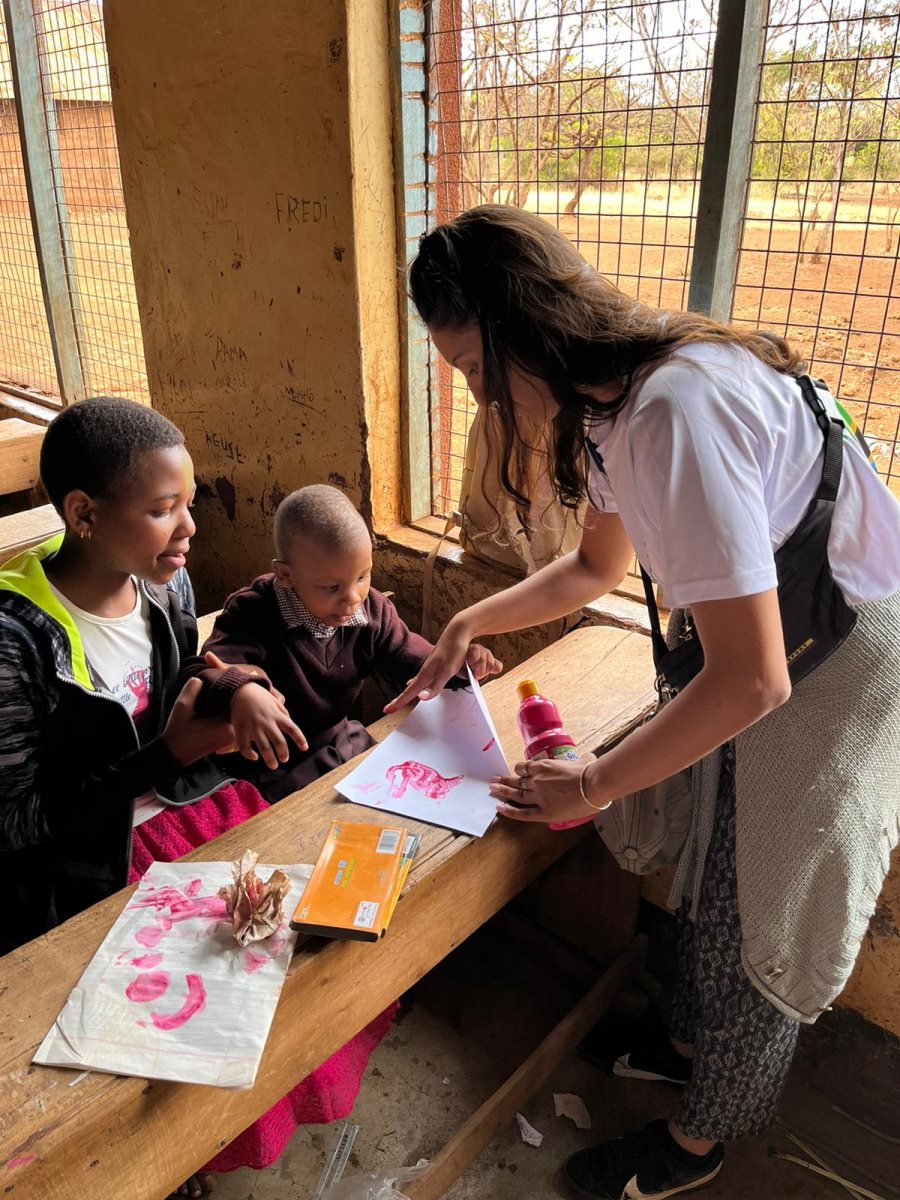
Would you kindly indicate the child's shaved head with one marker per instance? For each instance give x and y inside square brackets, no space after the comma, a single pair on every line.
[321,513]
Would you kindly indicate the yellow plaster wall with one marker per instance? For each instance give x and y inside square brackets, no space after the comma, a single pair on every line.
[260,206]
[874,986]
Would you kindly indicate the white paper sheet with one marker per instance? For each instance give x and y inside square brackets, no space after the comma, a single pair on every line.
[170,994]
[436,766]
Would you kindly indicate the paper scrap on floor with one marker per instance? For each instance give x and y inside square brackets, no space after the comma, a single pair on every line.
[170,994]
[528,1133]
[436,766]
[568,1105]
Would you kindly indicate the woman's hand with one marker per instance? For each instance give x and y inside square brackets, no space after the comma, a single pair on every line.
[550,789]
[446,660]
[189,737]
[262,726]
[481,663]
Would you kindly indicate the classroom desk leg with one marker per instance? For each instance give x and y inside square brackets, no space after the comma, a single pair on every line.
[501,1108]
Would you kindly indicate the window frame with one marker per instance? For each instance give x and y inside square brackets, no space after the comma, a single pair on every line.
[48,220]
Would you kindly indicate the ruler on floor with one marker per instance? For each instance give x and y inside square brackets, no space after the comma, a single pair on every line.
[334,1167]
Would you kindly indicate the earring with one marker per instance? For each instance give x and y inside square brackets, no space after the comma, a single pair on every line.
[86,533]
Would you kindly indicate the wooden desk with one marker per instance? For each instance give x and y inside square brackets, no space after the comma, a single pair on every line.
[107,1136]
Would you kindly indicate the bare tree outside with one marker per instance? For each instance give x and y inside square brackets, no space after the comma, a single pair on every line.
[593,113]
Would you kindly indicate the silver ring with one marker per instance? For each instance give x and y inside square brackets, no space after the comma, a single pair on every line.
[523,783]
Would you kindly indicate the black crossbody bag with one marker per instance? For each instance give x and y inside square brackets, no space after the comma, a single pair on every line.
[815,617]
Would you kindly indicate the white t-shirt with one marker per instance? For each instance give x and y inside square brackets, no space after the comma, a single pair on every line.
[712,464]
[119,651]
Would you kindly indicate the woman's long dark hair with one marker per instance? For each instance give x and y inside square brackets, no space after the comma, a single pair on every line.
[542,310]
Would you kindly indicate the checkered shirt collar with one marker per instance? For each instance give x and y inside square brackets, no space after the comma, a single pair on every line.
[294,613]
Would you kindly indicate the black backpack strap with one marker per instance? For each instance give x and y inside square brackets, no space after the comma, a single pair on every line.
[656,634]
[833,432]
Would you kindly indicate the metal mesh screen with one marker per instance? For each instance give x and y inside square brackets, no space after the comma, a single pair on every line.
[26,353]
[78,110]
[589,112]
[822,230]
[90,214]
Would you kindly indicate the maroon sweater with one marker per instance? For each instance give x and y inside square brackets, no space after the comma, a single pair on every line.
[321,679]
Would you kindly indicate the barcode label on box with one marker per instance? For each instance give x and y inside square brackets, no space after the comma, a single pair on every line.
[366,914]
[388,842]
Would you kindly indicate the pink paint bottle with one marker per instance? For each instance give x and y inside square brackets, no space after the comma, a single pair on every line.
[542,732]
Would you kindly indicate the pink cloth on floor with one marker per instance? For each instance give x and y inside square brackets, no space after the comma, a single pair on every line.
[329,1092]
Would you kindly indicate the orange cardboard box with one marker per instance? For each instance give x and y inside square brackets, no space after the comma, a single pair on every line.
[354,886]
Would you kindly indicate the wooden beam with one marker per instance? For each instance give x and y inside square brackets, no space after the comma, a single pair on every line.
[727,152]
[481,1128]
[19,531]
[20,455]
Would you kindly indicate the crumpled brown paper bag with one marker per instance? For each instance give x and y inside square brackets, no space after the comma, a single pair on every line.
[256,908]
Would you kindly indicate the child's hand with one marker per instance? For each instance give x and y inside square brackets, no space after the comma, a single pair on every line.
[260,720]
[189,737]
[213,660]
[481,662]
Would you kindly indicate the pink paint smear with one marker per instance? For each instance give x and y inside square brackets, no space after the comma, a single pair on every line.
[149,935]
[484,749]
[253,960]
[145,988]
[182,906]
[194,1003]
[22,1161]
[421,779]
[147,961]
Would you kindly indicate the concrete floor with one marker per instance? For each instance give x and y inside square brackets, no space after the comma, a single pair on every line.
[474,1019]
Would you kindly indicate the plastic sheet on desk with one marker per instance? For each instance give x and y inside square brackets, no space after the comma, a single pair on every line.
[169,994]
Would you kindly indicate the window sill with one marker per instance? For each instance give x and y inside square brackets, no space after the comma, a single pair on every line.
[622,608]
[40,410]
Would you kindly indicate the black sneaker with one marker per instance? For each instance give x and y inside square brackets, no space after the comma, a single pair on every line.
[648,1165]
[656,1058]
[636,1050]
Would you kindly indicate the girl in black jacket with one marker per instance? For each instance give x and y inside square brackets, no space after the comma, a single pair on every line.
[93,624]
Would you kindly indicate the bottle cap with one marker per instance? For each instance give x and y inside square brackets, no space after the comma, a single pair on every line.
[528,688]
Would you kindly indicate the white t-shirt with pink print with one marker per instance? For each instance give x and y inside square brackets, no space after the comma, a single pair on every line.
[119,652]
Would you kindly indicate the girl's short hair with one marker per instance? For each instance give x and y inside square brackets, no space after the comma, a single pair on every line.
[93,444]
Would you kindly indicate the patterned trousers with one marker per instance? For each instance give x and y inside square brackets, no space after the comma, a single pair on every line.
[743,1045]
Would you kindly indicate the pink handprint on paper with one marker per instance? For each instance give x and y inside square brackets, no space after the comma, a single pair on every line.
[420,778]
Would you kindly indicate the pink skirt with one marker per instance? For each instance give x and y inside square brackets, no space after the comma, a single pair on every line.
[329,1092]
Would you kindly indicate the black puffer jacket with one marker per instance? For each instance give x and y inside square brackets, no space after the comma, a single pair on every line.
[71,764]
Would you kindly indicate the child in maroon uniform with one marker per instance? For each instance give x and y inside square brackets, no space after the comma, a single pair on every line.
[315,630]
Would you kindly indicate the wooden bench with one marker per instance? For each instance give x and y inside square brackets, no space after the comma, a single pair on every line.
[66,1137]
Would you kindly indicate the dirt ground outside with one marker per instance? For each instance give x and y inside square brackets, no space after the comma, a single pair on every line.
[109,331]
